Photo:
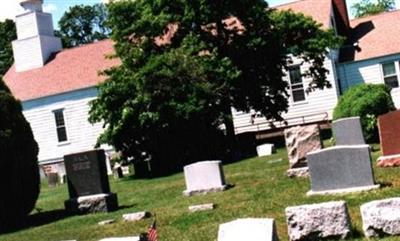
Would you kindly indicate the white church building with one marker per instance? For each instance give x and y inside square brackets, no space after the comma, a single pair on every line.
[55,85]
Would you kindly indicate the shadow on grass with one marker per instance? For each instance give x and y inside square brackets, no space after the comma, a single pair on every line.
[36,220]
[385,184]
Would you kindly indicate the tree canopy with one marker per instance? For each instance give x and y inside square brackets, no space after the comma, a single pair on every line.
[83,24]
[186,63]
[19,172]
[8,33]
[366,7]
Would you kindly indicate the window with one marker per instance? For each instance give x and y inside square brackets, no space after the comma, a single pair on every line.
[60,125]
[296,84]
[390,74]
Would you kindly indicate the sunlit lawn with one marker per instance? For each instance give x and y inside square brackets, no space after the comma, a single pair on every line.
[261,190]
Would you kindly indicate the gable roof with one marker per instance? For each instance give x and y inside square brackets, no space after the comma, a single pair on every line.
[377,36]
[68,70]
[319,10]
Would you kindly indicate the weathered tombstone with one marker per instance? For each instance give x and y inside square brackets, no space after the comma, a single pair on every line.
[204,177]
[389,129]
[341,169]
[318,221]
[381,217]
[52,179]
[88,185]
[254,229]
[299,141]
[348,131]
[265,149]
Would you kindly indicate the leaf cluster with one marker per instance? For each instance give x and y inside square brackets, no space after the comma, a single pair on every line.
[366,7]
[186,63]
[83,24]
[8,33]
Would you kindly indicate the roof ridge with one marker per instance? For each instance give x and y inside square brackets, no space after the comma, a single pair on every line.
[84,45]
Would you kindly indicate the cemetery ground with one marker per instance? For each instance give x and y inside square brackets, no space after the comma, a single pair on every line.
[261,190]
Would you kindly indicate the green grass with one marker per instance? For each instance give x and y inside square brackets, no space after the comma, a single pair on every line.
[261,190]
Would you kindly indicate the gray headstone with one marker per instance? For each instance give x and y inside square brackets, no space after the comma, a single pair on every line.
[203,177]
[348,131]
[254,229]
[341,169]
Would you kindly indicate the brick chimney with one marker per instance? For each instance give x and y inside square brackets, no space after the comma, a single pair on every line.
[36,40]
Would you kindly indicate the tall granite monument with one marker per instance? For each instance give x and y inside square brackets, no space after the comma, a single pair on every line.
[389,129]
[88,185]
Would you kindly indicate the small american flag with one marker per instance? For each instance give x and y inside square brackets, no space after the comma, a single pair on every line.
[152,233]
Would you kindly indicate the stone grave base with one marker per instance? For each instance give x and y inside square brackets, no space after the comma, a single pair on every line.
[381,217]
[298,172]
[189,193]
[389,161]
[105,202]
[344,190]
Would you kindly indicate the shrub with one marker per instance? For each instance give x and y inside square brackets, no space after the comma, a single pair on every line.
[367,101]
[19,172]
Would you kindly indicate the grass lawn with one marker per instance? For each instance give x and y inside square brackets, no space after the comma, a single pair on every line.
[261,190]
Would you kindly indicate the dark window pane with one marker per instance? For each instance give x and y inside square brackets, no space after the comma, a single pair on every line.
[295,75]
[392,81]
[298,95]
[62,134]
[389,69]
[59,117]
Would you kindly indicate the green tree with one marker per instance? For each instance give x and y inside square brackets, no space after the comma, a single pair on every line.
[368,101]
[366,7]
[19,178]
[8,33]
[235,62]
[83,24]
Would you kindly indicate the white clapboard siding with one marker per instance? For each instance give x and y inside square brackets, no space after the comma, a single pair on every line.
[367,71]
[81,134]
[318,105]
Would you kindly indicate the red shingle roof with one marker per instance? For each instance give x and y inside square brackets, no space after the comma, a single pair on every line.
[69,70]
[319,10]
[377,36]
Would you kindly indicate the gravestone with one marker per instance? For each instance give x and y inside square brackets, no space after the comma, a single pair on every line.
[88,185]
[204,177]
[254,229]
[348,131]
[320,221]
[52,179]
[381,217]
[265,149]
[389,129]
[341,169]
[299,141]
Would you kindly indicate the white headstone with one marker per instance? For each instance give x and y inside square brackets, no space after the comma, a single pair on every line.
[121,239]
[265,149]
[254,229]
[203,177]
